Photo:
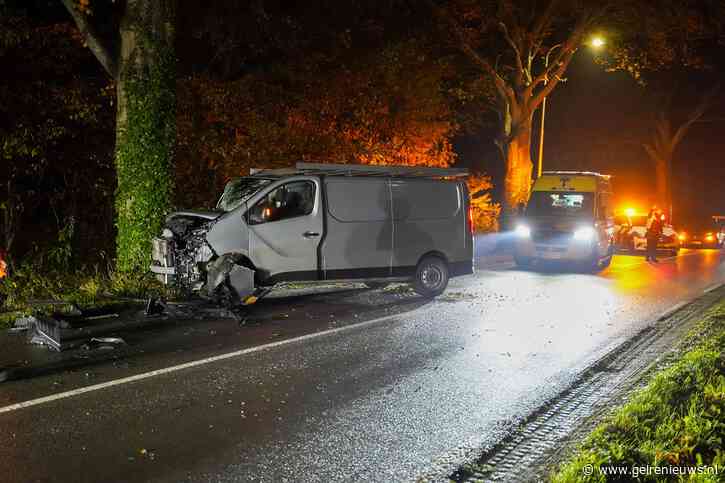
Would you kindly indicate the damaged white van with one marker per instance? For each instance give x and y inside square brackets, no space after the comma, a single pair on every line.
[322,222]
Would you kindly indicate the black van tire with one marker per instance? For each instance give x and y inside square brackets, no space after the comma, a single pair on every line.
[592,264]
[431,277]
[606,261]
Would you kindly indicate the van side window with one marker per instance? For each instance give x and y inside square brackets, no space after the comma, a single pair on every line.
[356,200]
[287,201]
[424,199]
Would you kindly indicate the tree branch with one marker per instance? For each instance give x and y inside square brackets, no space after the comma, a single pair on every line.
[651,152]
[502,88]
[557,71]
[568,47]
[95,43]
[694,116]
[522,75]
[544,19]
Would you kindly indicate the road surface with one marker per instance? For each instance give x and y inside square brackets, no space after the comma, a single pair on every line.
[356,385]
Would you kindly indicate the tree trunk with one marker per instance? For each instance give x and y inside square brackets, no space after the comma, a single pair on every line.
[662,181]
[519,167]
[145,128]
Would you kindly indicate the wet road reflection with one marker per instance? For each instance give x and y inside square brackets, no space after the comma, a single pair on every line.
[387,401]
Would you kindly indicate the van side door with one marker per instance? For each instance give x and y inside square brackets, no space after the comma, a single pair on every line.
[285,228]
[359,234]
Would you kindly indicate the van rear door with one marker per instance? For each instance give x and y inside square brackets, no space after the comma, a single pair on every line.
[429,216]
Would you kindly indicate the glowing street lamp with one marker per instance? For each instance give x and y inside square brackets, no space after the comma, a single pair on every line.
[596,43]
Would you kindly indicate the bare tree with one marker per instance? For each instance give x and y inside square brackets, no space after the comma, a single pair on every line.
[664,141]
[509,40]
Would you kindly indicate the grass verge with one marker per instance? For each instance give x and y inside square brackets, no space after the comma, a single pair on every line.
[675,424]
[29,290]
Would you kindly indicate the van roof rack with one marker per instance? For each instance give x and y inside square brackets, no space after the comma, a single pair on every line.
[578,173]
[363,170]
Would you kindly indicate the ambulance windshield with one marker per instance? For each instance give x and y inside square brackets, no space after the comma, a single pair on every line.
[551,203]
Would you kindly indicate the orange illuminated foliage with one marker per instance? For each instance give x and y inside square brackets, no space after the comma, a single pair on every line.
[483,210]
[3,266]
[386,108]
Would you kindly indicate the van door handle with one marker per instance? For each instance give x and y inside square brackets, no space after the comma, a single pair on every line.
[310,234]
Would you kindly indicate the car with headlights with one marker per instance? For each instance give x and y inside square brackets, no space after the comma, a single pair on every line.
[631,234]
[700,237]
[719,223]
[321,222]
[569,218]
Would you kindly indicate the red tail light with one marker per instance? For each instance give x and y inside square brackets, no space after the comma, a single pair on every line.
[470,219]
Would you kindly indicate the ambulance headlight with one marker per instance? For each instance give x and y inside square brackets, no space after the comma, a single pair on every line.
[584,234]
[523,231]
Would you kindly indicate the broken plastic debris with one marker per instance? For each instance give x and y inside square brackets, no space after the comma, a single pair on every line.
[104,316]
[108,340]
[24,322]
[104,343]
[154,307]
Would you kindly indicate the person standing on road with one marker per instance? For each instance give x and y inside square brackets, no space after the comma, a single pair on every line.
[654,230]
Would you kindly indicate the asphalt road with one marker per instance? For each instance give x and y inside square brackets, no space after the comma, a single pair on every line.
[353,385]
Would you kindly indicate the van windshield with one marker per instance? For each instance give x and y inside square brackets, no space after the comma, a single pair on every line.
[239,189]
[551,203]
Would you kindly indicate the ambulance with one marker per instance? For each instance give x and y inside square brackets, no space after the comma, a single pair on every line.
[569,218]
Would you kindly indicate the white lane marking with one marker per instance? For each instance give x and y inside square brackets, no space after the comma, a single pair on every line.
[712,287]
[188,365]
[672,310]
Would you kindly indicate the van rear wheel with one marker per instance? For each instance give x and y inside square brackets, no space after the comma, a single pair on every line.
[431,277]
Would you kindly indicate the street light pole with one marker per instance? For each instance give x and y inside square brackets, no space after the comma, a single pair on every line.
[596,43]
[541,138]
[543,116]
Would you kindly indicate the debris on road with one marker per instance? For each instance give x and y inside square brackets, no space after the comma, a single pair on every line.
[104,343]
[22,324]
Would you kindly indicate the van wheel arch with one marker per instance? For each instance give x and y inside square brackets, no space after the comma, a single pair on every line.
[433,253]
[245,261]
